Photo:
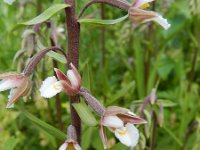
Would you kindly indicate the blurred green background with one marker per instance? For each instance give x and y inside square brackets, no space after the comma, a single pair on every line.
[120,64]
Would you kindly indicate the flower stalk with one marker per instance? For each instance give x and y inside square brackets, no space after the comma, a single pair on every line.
[121,4]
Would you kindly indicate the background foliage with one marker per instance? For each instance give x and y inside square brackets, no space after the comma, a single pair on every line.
[138,59]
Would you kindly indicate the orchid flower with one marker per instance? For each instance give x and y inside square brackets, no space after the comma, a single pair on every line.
[18,83]
[138,14]
[69,83]
[121,122]
[71,142]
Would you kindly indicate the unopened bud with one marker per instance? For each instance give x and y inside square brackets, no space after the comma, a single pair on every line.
[161,116]
[153,96]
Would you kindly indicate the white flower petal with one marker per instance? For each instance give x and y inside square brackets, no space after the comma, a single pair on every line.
[160,20]
[139,3]
[9,83]
[123,136]
[9,1]
[12,91]
[77,147]
[60,30]
[133,133]
[72,78]
[63,146]
[50,87]
[112,121]
[128,135]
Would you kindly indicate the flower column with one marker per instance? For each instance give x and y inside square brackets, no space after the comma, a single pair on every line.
[73,31]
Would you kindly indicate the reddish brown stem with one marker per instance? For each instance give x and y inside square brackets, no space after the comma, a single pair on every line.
[73,31]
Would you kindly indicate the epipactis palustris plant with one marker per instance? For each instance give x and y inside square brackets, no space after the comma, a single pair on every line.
[118,120]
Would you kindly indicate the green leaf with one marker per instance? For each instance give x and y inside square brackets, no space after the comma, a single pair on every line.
[87,136]
[119,146]
[57,57]
[121,92]
[173,136]
[45,126]
[139,67]
[165,66]
[85,114]
[10,144]
[100,22]
[46,14]
[166,103]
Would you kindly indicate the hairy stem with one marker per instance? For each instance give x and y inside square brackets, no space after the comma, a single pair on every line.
[122,4]
[73,32]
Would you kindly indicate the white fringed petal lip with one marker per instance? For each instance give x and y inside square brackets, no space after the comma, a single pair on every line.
[128,135]
[139,3]
[50,87]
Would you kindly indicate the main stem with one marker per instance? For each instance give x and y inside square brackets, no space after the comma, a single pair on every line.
[73,32]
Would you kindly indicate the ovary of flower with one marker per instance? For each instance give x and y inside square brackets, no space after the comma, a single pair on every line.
[50,87]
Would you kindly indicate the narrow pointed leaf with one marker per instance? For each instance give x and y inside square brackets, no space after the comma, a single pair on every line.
[46,14]
[165,103]
[58,57]
[10,144]
[100,22]
[85,114]
[45,126]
